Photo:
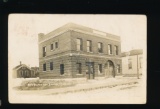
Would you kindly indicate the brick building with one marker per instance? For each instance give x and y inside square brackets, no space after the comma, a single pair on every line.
[75,51]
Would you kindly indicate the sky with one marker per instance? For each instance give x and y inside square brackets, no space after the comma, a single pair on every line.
[23,32]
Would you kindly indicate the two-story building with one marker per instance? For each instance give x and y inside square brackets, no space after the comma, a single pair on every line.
[75,51]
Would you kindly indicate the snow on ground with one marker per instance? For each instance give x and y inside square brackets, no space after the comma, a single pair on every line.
[119,94]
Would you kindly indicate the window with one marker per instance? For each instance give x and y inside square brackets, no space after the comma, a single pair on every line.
[79,44]
[89,49]
[44,67]
[116,49]
[44,51]
[51,46]
[140,62]
[109,49]
[51,65]
[118,68]
[129,64]
[56,44]
[99,47]
[79,69]
[22,73]
[61,69]
[99,68]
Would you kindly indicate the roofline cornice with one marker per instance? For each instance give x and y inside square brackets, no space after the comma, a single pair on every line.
[81,31]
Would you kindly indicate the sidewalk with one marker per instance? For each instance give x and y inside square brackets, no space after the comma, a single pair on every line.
[89,85]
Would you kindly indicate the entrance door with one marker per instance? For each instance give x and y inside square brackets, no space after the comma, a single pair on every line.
[90,70]
[110,69]
[62,69]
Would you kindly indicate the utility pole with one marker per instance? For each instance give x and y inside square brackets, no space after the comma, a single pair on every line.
[137,68]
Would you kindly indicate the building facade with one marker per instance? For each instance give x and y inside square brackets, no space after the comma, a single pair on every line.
[75,51]
[24,71]
[132,63]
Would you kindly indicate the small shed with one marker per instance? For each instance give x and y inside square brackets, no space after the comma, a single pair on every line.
[22,71]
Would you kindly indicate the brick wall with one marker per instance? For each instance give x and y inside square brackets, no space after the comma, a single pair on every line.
[64,44]
[95,40]
[67,45]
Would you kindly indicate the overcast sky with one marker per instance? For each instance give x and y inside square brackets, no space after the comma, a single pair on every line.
[24,29]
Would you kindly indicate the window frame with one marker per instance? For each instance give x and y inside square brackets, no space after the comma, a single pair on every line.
[51,66]
[56,44]
[61,70]
[100,50]
[100,68]
[80,45]
[79,68]
[44,51]
[118,68]
[89,46]
[44,67]
[110,49]
[116,50]
[52,46]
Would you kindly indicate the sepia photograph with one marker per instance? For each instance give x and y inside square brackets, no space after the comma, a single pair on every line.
[77,58]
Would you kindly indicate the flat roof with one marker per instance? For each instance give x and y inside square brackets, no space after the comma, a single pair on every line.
[83,29]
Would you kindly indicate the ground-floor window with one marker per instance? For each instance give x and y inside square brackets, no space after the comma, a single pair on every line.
[118,68]
[61,69]
[99,68]
[79,68]
[51,65]
[44,67]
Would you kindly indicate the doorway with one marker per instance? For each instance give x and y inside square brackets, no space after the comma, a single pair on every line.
[109,69]
[90,70]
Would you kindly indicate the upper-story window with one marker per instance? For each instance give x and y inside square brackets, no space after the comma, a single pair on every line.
[109,49]
[56,44]
[100,47]
[116,50]
[51,46]
[79,44]
[44,51]
[89,46]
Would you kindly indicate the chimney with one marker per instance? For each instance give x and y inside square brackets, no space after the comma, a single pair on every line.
[40,36]
[20,62]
